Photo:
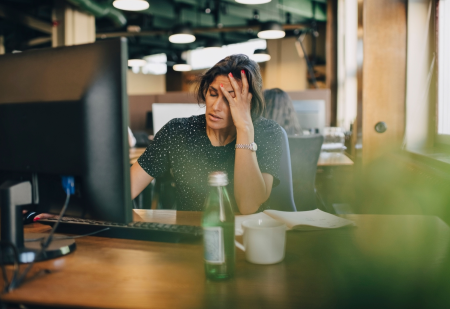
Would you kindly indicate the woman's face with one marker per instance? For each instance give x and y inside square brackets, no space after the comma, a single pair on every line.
[218,113]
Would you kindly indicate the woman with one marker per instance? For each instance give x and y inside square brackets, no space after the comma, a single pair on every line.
[279,108]
[221,140]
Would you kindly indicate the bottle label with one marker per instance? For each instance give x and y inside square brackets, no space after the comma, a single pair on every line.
[213,244]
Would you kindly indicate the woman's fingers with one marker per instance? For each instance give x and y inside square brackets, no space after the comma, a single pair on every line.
[43,216]
[244,83]
[235,85]
[227,94]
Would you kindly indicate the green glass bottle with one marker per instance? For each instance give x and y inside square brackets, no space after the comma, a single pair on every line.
[218,229]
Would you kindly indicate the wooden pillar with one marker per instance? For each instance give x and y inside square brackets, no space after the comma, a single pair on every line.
[331,57]
[384,76]
[71,26]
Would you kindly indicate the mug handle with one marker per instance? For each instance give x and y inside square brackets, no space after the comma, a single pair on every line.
[239,245]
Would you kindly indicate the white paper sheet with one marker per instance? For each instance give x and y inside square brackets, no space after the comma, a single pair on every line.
[301,220]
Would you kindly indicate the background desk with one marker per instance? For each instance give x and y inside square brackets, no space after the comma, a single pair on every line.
[333,159]
[387,261]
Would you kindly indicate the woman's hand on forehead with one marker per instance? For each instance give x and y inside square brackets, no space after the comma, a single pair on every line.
[240,103]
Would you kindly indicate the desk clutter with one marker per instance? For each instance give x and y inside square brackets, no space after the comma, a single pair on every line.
[334,139]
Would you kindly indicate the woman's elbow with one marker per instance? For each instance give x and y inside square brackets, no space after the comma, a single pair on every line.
[247,210]
[247,207]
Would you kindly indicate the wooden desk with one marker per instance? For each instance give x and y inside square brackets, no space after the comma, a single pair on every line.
[333,159]
[386,260]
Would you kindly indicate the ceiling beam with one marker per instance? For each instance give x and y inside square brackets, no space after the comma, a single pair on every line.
[39,41]
[27,20]
[195,30]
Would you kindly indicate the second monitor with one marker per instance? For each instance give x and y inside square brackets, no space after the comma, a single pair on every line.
[164,112]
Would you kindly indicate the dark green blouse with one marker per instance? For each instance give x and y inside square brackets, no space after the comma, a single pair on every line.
[183,148]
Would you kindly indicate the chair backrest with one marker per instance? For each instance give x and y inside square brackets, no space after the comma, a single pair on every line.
[282,196]
[305,152]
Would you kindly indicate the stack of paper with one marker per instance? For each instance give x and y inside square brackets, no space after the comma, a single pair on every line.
[301,220]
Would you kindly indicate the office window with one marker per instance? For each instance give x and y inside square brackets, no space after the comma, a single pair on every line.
[443,41]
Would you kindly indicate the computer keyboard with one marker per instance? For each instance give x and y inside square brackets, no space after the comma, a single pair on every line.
[149,231]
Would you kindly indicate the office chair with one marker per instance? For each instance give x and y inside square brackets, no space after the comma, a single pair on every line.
[282,196]
[305,152]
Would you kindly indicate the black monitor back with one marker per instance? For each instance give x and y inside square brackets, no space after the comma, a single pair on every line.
[64,111]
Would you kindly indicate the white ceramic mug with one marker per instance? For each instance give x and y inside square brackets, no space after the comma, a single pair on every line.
[264,241]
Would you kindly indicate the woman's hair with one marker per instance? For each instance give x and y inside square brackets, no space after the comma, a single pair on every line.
[279,108]
[234,64]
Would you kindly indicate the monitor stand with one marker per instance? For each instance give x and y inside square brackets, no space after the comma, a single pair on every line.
[14,194]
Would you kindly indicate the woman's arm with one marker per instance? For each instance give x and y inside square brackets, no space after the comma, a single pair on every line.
[251,187]
[139,180]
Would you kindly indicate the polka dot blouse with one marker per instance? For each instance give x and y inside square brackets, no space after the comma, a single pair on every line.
[183,148]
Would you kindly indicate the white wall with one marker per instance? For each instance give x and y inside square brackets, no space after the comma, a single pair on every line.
[139,84]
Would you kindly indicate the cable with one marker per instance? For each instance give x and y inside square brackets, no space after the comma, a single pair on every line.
[44,245]
[8,285]
[68,237]
[17,279]
[68,184]
[84,235]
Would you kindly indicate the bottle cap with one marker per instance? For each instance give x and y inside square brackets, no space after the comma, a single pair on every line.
[218,179]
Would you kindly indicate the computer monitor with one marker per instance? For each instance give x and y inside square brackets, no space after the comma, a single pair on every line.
[164,112]
[311,114]
[64,111]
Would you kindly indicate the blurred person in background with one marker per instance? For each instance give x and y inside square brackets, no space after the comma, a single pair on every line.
[279,108]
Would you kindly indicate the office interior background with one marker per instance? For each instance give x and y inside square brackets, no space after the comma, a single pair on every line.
[378,70]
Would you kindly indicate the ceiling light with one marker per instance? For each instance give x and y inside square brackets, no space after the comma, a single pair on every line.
[271,30]
[136,62]
[253,1]
[181,66]
[182,35]
[260,55]
[131,5]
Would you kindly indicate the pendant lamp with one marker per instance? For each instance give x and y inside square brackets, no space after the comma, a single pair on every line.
[182,34]
[131,5]
[260,55]
[271,30]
